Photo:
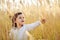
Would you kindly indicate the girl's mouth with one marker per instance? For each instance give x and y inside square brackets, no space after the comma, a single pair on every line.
[22,21]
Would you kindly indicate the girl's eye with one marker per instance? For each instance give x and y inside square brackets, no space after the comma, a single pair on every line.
[23,17]
[19,17]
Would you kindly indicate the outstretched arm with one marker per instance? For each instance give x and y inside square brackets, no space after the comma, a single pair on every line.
[35,24]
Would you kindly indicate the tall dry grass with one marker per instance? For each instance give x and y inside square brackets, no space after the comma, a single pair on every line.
[48,31]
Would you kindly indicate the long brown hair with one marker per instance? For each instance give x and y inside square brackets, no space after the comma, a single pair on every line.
[14,18]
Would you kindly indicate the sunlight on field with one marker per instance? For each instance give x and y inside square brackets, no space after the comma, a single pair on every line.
[48,9]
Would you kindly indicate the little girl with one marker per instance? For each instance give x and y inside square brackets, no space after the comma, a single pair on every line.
[18,32]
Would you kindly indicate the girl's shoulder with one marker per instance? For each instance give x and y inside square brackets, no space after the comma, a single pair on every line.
[12,29]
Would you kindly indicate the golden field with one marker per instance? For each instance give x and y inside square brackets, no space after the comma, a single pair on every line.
[48,31]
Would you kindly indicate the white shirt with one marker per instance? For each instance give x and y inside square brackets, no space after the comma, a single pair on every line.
[20,34]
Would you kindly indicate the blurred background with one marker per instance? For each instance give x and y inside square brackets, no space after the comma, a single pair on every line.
[33,9]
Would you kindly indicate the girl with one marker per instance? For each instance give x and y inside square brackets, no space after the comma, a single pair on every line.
[18,32]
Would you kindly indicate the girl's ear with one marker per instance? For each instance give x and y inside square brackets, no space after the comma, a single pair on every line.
[14,21]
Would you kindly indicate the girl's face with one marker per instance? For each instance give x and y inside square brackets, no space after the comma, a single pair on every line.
[20,19]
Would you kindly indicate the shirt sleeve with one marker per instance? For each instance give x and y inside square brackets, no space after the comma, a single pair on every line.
[33,25]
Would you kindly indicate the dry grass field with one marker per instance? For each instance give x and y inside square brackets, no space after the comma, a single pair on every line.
[48,31]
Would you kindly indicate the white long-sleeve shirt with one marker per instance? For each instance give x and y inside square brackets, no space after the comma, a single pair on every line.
[20,34]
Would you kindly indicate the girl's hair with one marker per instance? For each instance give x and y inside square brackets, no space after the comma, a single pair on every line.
[14,18]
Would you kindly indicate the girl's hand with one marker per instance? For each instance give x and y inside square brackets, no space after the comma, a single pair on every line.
[43,21]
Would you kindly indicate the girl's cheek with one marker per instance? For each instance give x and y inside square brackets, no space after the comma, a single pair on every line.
[20,20]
